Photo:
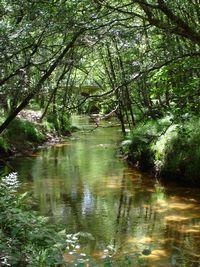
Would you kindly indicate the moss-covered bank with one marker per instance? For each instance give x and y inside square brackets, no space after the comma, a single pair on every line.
[171,149]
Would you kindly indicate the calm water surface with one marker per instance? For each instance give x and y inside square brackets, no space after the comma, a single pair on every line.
[124,217]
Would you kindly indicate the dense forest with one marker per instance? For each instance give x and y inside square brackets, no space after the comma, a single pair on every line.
[137,61]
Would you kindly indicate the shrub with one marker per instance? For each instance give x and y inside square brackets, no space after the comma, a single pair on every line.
[25,237]
[138,143]
[61,123]
[53,120]
[24,129]
[33,105]
[172,149]
[47,126]
[65,123]
[177,152]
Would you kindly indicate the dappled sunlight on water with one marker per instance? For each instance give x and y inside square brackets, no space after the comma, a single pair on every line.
[130,217]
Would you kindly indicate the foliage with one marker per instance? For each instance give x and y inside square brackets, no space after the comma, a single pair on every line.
[61,123]
[4,145]
[34,105]
[26,239]
[65,123]
[26,130]
[25,133]
[171,148]
[177,152]
[139,58]
[138,143]
[102,53]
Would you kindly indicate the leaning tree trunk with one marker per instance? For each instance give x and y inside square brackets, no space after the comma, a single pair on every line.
[25,102]
[54,91]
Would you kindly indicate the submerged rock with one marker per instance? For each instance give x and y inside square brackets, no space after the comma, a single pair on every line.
[146,252]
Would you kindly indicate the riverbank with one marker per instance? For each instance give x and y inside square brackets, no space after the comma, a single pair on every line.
[27,132]
[85,189]
[169,149]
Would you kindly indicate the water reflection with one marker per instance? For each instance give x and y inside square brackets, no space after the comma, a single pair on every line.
[83,184]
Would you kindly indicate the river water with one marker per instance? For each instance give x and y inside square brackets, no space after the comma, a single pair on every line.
[123,217]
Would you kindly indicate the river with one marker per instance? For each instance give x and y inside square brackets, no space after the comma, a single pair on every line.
[125,217]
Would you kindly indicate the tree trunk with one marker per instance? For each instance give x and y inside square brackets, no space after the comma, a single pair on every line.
[25,102]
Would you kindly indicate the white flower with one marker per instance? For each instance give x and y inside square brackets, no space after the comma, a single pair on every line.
[11,181]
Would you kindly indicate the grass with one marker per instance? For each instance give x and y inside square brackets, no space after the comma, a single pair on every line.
[25,129]
[20,136]
[4,145]
[172,149]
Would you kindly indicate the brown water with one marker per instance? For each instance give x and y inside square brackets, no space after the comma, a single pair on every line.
[124,217]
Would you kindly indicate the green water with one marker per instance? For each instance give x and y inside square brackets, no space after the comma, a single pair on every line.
[128,218]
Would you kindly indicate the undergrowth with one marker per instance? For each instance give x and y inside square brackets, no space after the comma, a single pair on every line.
[172,149]
[26,239]
[21,135]
[25,129]
[61,123]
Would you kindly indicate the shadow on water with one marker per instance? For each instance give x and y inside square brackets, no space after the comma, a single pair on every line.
[130,217]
